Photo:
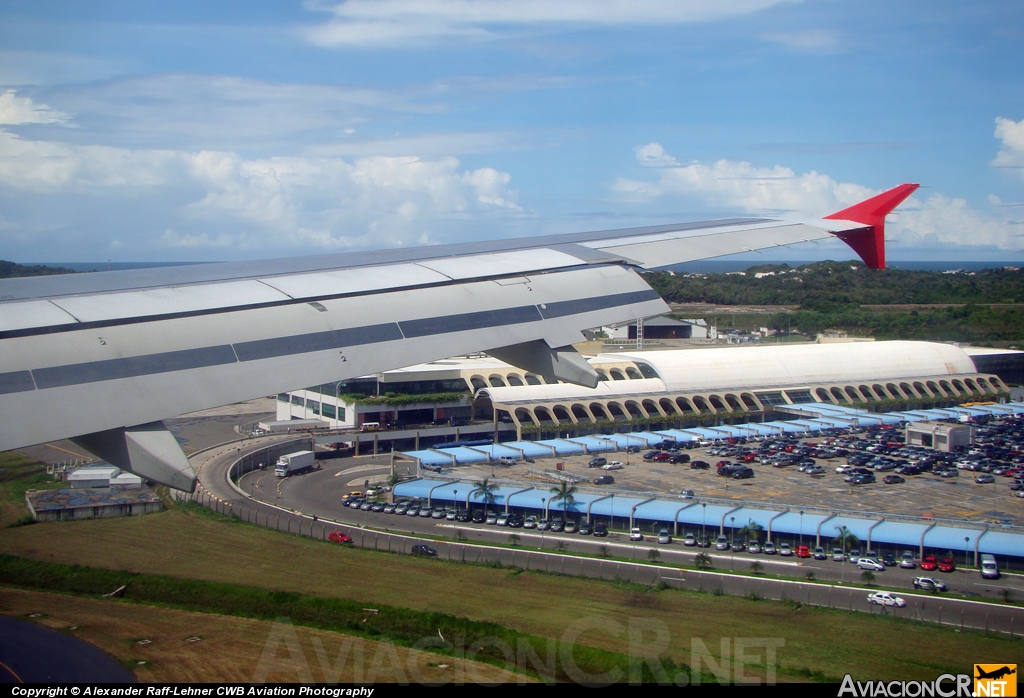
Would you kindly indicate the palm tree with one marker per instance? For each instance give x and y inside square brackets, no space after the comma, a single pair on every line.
[703,561]
[845,539]
[486,491]
[564,491]
[751,530]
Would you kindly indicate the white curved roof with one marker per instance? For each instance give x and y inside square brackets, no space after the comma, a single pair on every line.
[779,365]
[569,391]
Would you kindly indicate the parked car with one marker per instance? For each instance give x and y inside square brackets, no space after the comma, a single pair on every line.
[339,537]
[838,555]
[530,522]
[820,554]
[929,584]
[600,530]
[721,543]
[604,480]
[425,550]
[585,529]
[614,465]
[753,547]
[889,560]
[570,526]
[690,540]
[929,563]
[946,564]
[686,494]
[893,480]
[870,564]
[700,465]
[803,551]
[664,537]
[492,519]
[907,560]
[635,534]
[785,550]
[597,462]
[885,598]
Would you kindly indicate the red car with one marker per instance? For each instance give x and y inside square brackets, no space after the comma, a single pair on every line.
[946,564]
[803,551]
[929,564]
[339,537]
[662,456]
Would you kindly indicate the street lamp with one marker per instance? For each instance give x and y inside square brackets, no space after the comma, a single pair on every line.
[703,520]
[542,501]
[842,534]
[801,527]
[967,540]
[732,547]
[455,496]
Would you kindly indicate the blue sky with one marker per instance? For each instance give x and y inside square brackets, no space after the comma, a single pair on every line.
[239,130]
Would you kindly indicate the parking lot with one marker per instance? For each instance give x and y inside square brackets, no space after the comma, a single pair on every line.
[925,495]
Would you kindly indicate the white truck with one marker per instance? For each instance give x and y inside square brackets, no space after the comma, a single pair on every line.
[295,463]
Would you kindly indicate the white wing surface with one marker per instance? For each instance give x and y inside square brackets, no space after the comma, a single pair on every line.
[104,357]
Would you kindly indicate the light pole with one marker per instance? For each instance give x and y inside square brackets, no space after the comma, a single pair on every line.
[842,534]
[703,520]
[732,547]
[455,496]
[967,540]
[542,501]
[801,527]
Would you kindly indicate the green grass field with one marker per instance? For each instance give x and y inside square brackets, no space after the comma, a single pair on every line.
[817,643]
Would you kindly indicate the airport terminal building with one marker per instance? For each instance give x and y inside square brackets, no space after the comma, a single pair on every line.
[704,384]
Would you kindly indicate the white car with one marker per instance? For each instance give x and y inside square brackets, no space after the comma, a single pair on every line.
[614,465]
[634,534]
[867,563]
[785,550]
[885,598]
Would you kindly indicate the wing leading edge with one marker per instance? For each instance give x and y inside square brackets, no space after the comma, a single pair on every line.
[103,358]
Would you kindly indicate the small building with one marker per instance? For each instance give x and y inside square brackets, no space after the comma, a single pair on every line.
[942,436]
[660,327]
[101,475]
[91,503]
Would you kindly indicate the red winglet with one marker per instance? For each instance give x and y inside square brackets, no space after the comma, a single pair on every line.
[870,244]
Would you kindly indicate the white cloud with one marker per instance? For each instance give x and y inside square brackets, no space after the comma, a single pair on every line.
[944,220]
[397,22]
[739,185]
[773,190]
[1011,133]
[15,110]
[809,40]
[263,203]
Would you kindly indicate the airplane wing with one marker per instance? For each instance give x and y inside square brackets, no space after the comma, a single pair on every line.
[104,357]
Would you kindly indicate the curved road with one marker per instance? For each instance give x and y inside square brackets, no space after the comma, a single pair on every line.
[309,504]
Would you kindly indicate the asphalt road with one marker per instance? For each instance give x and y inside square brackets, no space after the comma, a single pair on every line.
[299,499]
[30,653]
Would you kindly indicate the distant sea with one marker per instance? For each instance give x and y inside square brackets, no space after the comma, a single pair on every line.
[707,266]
